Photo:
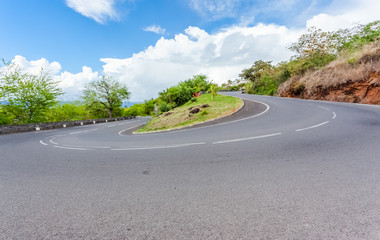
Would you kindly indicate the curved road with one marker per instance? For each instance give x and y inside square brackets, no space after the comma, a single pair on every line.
[297,170]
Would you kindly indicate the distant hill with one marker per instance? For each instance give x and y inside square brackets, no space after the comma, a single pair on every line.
[125,104]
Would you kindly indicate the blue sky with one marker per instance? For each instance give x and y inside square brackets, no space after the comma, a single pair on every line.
[151,45]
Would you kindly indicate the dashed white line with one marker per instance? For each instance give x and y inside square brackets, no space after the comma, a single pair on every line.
[43,143]
[334,115]
[52,141]
[328,109]
[158,147]
[315,126]
[76,132]
[247,139]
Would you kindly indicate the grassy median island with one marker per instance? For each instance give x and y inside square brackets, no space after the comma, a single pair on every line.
[203,109]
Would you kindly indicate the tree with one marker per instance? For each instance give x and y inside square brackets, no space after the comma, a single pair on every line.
[256,70]
[182,92]
[27,97]
[315,42]
[105,95]
[213,90]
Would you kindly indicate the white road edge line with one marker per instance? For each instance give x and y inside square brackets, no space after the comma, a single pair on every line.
[130,128]
[82,149]
[158,147]
[247,139]
[234,121]
[315,126]
[75,146]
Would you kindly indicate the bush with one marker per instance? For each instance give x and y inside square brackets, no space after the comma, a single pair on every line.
[183,92]
[164,107]
[4,119]
[204,112]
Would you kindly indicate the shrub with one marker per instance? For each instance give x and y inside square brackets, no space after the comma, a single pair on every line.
[204,112]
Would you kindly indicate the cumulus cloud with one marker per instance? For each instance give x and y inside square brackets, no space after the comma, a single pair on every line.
[348,13]
[98,10]
[35,67]
[72,84]
[221,56]
[155,29]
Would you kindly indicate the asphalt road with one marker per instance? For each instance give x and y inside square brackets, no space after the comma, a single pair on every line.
[295,169]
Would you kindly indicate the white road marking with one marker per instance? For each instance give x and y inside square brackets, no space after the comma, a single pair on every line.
[81,149]
[52,141]
[218,124]
[315,126]
[328,109]
[76,146]
[334,115]
[42,142]
[76,132]
[158,147]
[120,133]
[247,139]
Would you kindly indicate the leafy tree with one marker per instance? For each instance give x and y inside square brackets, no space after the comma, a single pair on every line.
[183,92]
[256,70]
[105,96]
[315,41]
[149,107]
[358,36]
[28,97]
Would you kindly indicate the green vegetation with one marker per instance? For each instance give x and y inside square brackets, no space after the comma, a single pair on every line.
[105,96]
[183,92]
[140,109]
[313,51]
[194,112]
[29,97]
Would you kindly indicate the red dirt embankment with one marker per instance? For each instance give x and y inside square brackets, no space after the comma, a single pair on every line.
[342,81]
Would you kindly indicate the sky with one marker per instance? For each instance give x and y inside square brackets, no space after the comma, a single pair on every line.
[150,45]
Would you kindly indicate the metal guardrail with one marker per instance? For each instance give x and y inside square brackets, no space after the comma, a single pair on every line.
[19,128]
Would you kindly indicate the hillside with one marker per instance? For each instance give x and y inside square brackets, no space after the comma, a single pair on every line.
[342,65]
[353,78]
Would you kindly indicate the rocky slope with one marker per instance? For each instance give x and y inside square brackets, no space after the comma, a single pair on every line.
[355,79]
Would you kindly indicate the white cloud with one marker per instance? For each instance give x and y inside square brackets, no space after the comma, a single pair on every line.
[155,29]
[348,13]
[71,84]
[221,56]
[98,10]
[35,67]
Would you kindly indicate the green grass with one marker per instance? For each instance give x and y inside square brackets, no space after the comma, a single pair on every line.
[181,116]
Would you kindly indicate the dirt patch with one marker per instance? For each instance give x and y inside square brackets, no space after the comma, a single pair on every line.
[195,110]
[342,80]
[365,91]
